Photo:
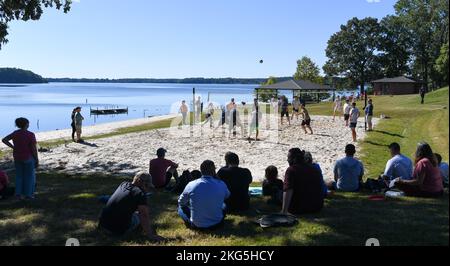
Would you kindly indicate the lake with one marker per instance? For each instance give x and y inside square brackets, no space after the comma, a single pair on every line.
[49,106]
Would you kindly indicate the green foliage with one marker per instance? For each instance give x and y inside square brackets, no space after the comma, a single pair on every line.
[442,63]
[267,95]
[428,25]
[307,70]
[395,47]
[15,75]
[25,10]
[352,52]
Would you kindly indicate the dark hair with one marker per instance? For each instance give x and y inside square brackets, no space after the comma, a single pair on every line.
[22,122]
[438,158]
[271,173]
[208,168]
[196,174]
[308,158]
[350,150]
[394,146]
[161,152]
[424,151]
[296,156]
[231,158]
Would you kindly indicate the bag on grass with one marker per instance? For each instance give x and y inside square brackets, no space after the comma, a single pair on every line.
[277,220]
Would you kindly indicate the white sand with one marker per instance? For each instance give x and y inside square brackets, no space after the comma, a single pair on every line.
[99,129]
[127,154]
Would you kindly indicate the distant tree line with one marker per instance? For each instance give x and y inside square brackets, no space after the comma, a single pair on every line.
[180,81]
[413,42]
[14,75]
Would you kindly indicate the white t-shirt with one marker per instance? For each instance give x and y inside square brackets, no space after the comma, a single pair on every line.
[347,108]
[354,115]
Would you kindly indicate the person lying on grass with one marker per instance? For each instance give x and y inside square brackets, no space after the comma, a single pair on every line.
[303,190]
[348,172]
[201,205]
[427,179]
[127,209]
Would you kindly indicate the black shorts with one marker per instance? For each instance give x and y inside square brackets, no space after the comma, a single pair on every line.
[353,125]
[306,122]
[284,113]
[296,110]
[346,117]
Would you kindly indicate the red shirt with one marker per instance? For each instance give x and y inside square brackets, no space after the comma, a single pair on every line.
[4,180]
[23,141]
[158,169]
[432,181]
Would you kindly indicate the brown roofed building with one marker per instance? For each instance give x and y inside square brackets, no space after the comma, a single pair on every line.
[395,86]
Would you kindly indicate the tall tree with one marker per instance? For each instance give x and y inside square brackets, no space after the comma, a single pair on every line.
[353,51]
[25,10]
[441,66]
[427,23]
[307,70]
[395,47]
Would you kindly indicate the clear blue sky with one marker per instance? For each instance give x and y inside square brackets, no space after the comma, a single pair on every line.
[181,38]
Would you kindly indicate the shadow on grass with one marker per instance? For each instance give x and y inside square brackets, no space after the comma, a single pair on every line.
[67,207]
[389,133]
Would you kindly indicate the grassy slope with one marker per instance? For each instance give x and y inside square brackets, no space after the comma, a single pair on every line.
[66,205]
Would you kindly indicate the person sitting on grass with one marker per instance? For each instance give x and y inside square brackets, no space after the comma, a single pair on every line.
[6,191]
[303,191]
[348,172]
[399,166]
[201,205]
[444,169]
[162,170]
[128,208]
[26,159]
[238,181]
[310,161]
[272,186]
[426,180]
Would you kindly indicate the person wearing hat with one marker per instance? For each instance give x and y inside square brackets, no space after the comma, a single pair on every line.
[162,170]
[128,208]
[348,172]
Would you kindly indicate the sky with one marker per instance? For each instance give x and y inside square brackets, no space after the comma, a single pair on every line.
[181,38]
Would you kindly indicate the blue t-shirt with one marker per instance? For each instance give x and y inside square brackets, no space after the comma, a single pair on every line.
[348,172]
[205,198]
[399,166]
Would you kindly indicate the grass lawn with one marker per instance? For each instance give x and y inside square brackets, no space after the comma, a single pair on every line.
[66,206]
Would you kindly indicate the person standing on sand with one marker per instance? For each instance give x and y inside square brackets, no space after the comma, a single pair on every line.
[347,107]
[306,123]
[296,107]
[209,115]
[78,120]
[198,109]
[184,111]
[72,124]
[26,158]
[337,107]
[369,115]
[284,110]
[354,115]
[256,120]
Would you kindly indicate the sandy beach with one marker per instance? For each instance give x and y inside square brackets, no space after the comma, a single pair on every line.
[128,154]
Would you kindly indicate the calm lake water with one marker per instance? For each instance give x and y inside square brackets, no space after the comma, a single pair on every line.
[48,106]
